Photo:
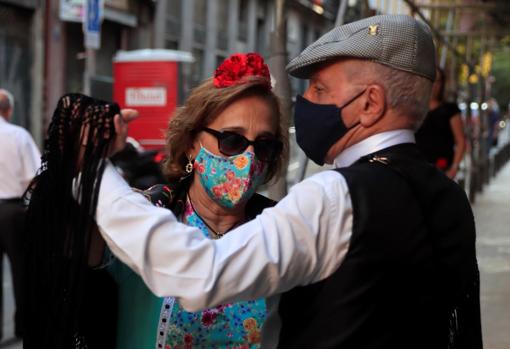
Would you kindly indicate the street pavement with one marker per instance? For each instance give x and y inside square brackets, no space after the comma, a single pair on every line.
[9,341]
[492,216]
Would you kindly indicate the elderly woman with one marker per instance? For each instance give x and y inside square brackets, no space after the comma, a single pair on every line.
[222,144]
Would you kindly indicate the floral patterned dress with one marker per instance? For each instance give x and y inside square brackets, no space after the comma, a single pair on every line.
[231,326]
[146,321]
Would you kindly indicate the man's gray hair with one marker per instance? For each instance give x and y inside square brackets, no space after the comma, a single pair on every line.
[406,93]
[6,100]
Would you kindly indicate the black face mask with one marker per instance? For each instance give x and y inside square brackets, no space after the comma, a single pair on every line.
[319,126]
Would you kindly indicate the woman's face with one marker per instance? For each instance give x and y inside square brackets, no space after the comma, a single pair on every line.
[251,117]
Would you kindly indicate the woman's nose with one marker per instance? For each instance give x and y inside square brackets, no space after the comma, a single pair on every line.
[250,148]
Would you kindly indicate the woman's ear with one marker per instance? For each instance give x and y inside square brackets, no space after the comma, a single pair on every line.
[374,106]
[194,149]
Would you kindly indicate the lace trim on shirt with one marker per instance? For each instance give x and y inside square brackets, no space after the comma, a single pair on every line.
[164,321]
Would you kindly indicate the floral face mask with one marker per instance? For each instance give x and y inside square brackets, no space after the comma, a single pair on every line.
[231,180]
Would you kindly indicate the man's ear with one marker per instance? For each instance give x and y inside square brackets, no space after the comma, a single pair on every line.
[9,113]
[374,105]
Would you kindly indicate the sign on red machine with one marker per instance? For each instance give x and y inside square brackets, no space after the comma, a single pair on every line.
[148,81]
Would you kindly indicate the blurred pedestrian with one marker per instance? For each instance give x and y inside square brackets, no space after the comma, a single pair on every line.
[378,253]
[441,137]
[494,114]
[19,161]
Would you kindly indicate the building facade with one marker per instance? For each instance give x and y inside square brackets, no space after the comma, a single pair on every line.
[21,23]
[213,29]
[42,54]
[70,67]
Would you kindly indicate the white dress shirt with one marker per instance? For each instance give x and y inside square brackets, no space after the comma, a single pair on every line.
[19,160]
[302,240]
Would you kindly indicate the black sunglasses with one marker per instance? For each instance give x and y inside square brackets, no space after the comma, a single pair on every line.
[231,143]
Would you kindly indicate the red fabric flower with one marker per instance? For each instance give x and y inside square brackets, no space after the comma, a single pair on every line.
[239,66]
[442,163]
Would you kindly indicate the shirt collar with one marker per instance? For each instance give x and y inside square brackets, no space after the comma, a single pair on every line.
[2,119]
[372,144]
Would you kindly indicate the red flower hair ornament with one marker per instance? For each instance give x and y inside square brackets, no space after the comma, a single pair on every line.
[237,68]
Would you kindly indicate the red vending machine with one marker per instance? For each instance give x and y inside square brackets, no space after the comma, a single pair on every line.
[149,81]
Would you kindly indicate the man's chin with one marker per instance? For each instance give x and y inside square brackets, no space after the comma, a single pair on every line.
[333,153]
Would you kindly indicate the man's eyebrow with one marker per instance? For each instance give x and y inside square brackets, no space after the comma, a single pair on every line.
[318,78]
[314,77]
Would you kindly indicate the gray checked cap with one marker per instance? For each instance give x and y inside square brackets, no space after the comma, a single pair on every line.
[398,41]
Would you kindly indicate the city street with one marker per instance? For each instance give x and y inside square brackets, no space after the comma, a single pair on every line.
[234,76]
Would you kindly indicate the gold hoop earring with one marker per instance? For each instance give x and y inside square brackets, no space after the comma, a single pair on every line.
[189,166]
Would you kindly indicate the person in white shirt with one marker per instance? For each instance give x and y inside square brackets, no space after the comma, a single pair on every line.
[379,253]
[19,161]
[19,157]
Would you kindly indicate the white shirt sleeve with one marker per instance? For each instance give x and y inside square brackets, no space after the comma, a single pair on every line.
[30,158]
[301,240]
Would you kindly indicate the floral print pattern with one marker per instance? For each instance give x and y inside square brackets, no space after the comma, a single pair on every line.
[227,326]
[230,180]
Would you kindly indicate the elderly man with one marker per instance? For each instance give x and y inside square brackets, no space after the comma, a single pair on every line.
[379,253]
[19,160]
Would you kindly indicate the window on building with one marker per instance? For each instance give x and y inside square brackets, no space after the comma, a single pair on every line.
[261,44]
[173,23]
[318,34]
[220,59]
[222,24]
[243,20]
[200,20]
[304,37]
[174,7]
[172,44]
[197,67]
[200,12]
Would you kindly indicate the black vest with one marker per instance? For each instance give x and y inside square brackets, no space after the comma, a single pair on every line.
[410,263]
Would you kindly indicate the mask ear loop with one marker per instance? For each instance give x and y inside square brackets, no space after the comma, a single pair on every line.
[352,99]
[207,151]
[349,102]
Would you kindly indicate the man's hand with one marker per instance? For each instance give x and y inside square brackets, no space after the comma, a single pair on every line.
[121,122]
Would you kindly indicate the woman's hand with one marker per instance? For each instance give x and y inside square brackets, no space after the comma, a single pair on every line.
[452,171]
[457,127]
[121,122]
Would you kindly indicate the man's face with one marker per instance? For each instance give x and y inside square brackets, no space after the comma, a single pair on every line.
[6,104]
[6,113]
[330,84]
[351,84]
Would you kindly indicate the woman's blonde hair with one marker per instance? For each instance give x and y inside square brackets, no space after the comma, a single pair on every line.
[203,105]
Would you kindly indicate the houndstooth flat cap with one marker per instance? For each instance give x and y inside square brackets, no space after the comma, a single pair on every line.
[398,41]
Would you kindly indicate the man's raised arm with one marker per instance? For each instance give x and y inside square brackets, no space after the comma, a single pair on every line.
[281,248]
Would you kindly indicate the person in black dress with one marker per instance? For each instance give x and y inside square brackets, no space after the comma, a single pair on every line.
[441,137]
